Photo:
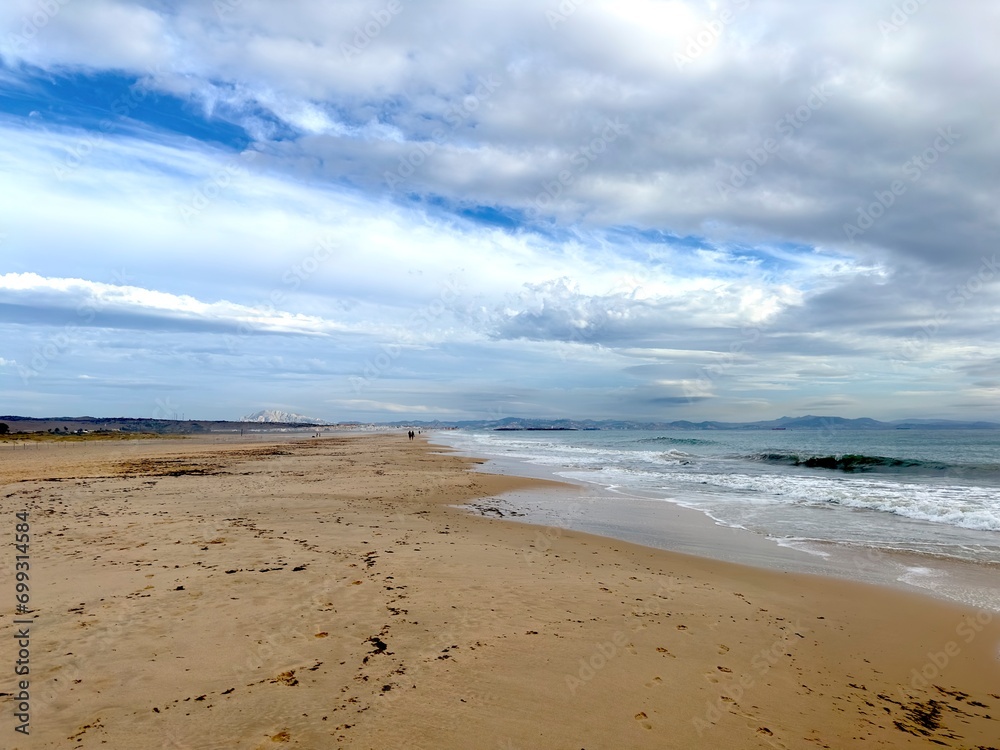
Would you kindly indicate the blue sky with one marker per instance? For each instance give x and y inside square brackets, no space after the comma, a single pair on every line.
[388,210]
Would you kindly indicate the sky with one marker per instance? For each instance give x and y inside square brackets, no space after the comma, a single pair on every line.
[384,210]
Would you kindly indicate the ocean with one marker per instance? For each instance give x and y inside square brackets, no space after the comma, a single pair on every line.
[919,506]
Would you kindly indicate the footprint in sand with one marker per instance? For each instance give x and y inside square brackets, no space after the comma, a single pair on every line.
[642,719]
[656,681]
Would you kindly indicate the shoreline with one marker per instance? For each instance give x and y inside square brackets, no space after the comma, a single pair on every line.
[327,593]
[673,526]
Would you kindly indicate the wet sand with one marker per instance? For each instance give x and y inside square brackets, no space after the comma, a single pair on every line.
[323,594]
[665,525]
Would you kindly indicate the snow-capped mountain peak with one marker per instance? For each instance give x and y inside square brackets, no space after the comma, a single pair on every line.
[273,415]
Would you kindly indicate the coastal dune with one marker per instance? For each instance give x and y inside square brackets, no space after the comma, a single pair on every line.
[327,593]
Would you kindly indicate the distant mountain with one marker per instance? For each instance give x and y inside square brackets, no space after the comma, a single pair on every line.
[284,417]
[808,422]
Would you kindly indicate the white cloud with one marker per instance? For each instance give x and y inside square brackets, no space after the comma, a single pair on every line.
[392,408]
[222,217]
[97,34]
[92,299]
[689,125]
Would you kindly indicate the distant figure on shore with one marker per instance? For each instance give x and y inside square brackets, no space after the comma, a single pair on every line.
[410,434]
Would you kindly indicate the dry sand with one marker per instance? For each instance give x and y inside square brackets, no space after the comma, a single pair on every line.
[323,594]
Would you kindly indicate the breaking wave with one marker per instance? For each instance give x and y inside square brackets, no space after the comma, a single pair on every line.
[853,463]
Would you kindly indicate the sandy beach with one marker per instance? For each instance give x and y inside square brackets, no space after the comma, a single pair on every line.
[326,593]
